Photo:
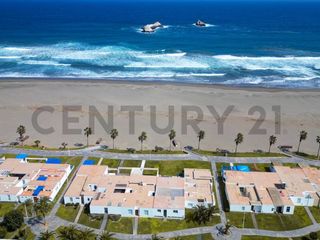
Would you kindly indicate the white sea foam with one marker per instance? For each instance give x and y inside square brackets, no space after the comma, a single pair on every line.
[208,25]
[9,57]
[16,49]
[48,63]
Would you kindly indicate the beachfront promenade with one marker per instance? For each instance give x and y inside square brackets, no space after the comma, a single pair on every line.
[235,233]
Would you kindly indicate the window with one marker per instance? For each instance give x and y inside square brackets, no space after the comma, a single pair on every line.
[243,208]
[299,200]
[130,211]
[175,211]
[288,209]
[159,210]
[146,212]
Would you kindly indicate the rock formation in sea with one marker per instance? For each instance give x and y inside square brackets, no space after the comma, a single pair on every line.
[151,27]
[200,23]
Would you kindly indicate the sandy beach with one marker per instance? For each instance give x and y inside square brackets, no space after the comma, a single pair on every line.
[19,99]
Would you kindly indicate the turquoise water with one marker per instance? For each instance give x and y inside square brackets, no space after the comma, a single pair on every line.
[253,44]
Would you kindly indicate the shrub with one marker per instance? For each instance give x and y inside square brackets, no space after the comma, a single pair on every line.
[114,217]
[3,232]
[13,220]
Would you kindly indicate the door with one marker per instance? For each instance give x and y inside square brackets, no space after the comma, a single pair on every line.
[165,213]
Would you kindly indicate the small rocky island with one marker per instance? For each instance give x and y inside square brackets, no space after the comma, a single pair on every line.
[151,27]
[200,23]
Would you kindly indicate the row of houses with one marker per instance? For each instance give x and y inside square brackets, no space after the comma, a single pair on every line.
[140,195]
[21,180]
[106,190]
[278,191]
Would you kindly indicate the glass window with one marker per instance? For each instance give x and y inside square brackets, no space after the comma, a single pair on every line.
[288,209]
[146,212]
[175,211]
[130,211]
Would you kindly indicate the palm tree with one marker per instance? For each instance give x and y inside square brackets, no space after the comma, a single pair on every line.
[47,235]
[272,141]
[86,234]
[142,138]
[313,236]
[21,130]
[172,135]
[28,203]
[200,137]
[37,143]
[113,134]
[64,145]
[68,233]
[201,214]
[303,136]
[318,141]
[238,140]
[42,208]
[87,133]
[105,236]
[226,229]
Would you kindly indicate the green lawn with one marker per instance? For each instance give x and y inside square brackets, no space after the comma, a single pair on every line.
[132,163]
[125,171]
[21,208]
[175,168]
[68,213]
[307,237]
[26,232]
[112,163]
[9,155]
[240,154]
[306,155]
[206,236]
[6,207]
[156,225]
[316,213]
[240,220]
[261,238]
[292,165]
[89,221]
[150,172]
[34,147]
[281,222]
[144,151]
[124,225]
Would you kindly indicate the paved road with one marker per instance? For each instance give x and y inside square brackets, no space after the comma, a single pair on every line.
[55,222]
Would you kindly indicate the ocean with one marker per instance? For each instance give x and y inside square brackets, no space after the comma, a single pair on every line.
[265,44]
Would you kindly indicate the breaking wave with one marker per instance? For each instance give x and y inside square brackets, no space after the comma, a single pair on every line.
[77,60]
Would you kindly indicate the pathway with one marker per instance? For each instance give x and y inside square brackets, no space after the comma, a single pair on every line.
[100,161]
[104,222]
[135,225]
[310,215]
[217,192]
[254,220]
[76,220]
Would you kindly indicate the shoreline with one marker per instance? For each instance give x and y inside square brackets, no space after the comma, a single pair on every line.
[248,88]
